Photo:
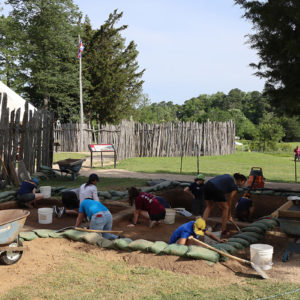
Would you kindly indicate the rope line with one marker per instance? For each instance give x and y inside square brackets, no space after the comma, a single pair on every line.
[277,295]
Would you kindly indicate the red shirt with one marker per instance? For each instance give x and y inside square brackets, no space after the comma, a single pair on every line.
[148,202]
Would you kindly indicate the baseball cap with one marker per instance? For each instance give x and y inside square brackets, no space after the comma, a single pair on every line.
[35,181]
[200,176]
[199,226]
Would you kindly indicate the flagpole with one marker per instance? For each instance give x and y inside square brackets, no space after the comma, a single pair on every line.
[81,102]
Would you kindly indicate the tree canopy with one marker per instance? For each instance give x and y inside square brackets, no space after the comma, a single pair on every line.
[276,37]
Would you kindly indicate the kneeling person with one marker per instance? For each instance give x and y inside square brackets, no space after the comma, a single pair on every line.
[100,216]
[195,229]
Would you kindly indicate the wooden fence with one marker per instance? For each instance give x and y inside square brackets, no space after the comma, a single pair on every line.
[143,140]
[29,139]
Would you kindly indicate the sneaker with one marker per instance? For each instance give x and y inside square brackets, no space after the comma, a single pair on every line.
[61,211]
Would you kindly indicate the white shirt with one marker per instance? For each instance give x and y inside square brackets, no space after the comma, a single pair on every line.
[88,192]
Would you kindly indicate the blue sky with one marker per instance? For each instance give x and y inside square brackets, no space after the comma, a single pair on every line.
[188,47]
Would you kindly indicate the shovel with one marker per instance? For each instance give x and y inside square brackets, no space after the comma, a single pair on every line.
[87,230]
[247,262]
[236,226]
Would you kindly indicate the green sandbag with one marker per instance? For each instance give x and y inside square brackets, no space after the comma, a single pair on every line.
[237,246]
[270,222]
[238,240]
[148,189]
[57,235]
[74,235]
[117,193]
[259,225]
[253,229]
[164,184]
[104,194]
[108,244]
[28,235]
[226,247]
[246,237]
[122,244]
[158,247]
[254,235]
[43,233]
[176,249]
[267,192]
[92,238]
[7,193]
[142,245]
[175,183]
[115,198]
[197,252]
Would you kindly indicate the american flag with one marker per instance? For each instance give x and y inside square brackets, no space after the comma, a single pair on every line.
[80,49]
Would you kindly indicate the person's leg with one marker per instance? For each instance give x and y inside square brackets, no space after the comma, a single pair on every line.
[37,198]
[225,208]
[209,205]
[163,202]
[108,226]
[145,214]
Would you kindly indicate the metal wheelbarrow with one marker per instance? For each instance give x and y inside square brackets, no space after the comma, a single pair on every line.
[11,223]
[70,166]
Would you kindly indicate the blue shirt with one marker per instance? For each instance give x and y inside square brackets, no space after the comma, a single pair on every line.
[224,183]
[26,187]
[184,231]
[91,207]
[244,204]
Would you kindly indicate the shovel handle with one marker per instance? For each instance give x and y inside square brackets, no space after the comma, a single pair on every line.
[220,252]
[100,231]
[236,226]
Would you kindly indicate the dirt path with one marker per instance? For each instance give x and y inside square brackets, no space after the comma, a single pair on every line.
[120,173]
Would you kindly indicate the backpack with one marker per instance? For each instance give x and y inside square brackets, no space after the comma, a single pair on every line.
[256,178]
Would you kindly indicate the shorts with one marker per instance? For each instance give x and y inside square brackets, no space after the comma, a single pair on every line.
[157,217]
[163,202]
[213,194]
[70,200]
[26,197]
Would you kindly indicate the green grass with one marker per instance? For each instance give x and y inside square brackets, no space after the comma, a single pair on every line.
[275,167]
[104,184]
[86,276]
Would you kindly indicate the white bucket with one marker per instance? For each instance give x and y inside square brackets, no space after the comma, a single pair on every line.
[45,215]
[210,241]
[261,255]
[46,191]
[170,216]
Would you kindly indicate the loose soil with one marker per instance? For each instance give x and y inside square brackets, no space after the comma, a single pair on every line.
[46,255]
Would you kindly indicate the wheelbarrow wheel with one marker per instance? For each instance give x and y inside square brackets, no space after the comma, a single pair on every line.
[11,257]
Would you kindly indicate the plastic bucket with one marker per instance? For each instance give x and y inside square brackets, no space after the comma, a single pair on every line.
[45,215]
[261,255]
[210,241]
[46,191]
[170,216]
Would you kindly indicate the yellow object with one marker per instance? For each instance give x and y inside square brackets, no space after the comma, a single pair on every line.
[199,226]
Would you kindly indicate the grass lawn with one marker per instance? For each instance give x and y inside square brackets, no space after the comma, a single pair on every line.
[118,184]
[85,276]
[276,167]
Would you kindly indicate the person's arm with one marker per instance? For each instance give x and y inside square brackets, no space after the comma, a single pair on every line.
[79,219]
[212,236]
[95,194]
[187,190]
[181,241]
[231,196]
[135,218]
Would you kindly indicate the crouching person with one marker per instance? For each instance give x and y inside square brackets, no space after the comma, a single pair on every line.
[100,216]
[195,229]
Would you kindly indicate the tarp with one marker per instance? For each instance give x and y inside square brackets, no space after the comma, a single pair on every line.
[14,101]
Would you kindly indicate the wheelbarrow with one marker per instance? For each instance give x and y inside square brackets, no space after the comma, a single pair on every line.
[70,166]
[11,222]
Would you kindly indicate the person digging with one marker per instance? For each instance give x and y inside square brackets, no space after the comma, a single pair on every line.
[149,206]
[196,229]
[196,190]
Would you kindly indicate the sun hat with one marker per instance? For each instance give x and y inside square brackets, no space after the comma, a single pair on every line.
[199,226]
[200,176]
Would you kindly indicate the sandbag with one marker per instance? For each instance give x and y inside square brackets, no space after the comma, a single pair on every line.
[270,222]
[117,193]
[104,194]
[246,237]
[158,247]
[43,233]
[122,244]
[57,235]
[28,235]
[7,193]
[164,184]
[253,229]
[140,244]
[108,244]
[92,238]
[225,247]
[259,225]
[74,235]
[237,246]
[176,249]
[148,189]
[238,240]
[254,235]
[197,252]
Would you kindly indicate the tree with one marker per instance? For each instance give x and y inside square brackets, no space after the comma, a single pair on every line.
[113,72]
[48,53]
[277,40]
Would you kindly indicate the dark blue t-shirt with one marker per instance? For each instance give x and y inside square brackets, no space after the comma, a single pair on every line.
[244,204]
[197,190]
[26,187]
[224,183]
[184,231]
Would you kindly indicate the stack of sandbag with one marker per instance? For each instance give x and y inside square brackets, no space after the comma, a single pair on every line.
[7,196]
